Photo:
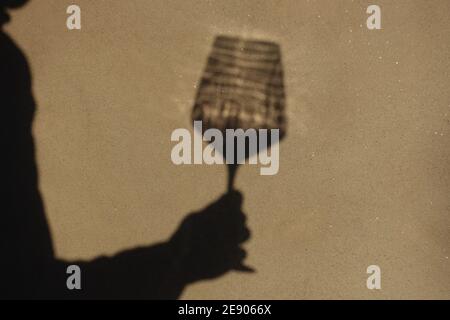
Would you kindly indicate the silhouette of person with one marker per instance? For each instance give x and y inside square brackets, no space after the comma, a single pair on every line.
[206,245]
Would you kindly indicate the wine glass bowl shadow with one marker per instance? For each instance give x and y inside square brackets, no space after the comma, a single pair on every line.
[242,87]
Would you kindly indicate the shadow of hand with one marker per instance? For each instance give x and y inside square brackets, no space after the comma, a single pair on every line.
[207,243]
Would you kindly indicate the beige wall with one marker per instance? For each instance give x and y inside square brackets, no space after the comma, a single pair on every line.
[364,174]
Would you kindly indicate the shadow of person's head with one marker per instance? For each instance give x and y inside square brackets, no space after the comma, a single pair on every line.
[12,3]
[9,4]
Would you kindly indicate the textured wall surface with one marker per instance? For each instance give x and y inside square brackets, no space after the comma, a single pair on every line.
[364,169]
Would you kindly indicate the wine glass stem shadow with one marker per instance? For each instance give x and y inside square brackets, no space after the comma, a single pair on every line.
[232,169]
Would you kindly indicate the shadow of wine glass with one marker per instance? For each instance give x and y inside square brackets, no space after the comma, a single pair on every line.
[242,89]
